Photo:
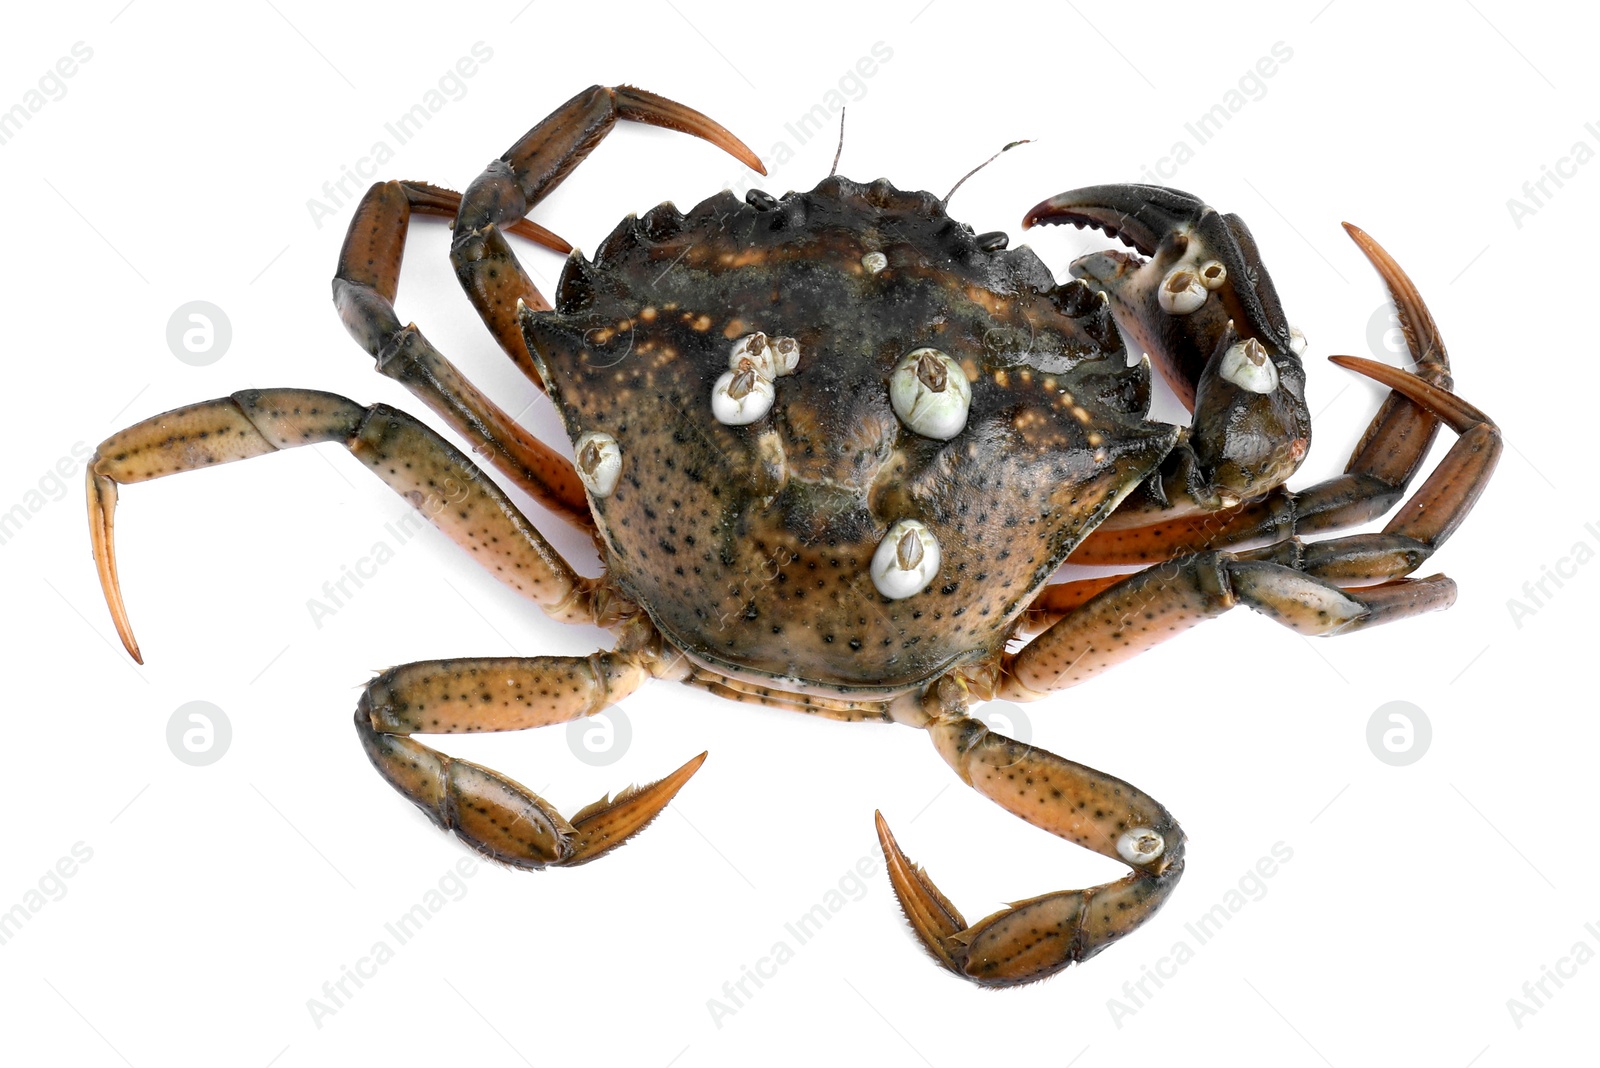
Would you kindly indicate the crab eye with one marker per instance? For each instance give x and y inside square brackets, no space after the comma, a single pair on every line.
[742,395]
[907,560]
[1247,365]
[599,462]
[1182,291]
[930,393]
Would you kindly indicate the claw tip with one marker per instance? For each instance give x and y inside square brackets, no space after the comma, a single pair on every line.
[1034,214]
[1359,236]
[685,773]
[885,836]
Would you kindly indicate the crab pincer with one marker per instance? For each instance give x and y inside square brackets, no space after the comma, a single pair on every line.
[1200,269]
[1196,297]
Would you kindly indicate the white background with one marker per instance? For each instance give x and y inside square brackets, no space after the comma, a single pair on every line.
[178,166]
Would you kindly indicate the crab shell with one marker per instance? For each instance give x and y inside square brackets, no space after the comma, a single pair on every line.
[749,546]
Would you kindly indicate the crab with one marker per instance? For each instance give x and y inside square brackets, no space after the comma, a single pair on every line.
[833,448]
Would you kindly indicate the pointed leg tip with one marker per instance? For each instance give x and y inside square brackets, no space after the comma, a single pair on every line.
[672,783]
[1373,369]
[1393,377]
[611,821]
[539,235]
[741,152]
[641,105]
[1458,413]
[1369,247]
[894,858]
[885,836]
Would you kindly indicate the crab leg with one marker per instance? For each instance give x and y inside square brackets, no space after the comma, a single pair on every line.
[488,811]
[364,290]
[1033,939]
[1380,468]
[1059,598]
[369,269]
[414,460]
[1297,584]
[511,186]
[1161,601]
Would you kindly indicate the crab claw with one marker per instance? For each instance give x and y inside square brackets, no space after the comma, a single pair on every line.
[1137,215]
[1198,272]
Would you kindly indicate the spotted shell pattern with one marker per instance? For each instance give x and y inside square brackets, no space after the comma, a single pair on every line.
[749,546]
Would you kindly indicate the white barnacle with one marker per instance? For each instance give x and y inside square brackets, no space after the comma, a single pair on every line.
[1213,274]
[874,262]
[742,395]
[1140,845]
[1297,341]
[907,560]
[752,347]
[785,354]
[1247,365]
[930,393]
[773,357]
[599,462]
[1181,291]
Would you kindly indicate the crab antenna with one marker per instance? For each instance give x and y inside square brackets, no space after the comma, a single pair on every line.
[840,150]
[981,166]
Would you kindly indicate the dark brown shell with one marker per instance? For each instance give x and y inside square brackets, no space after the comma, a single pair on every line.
[749,545]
